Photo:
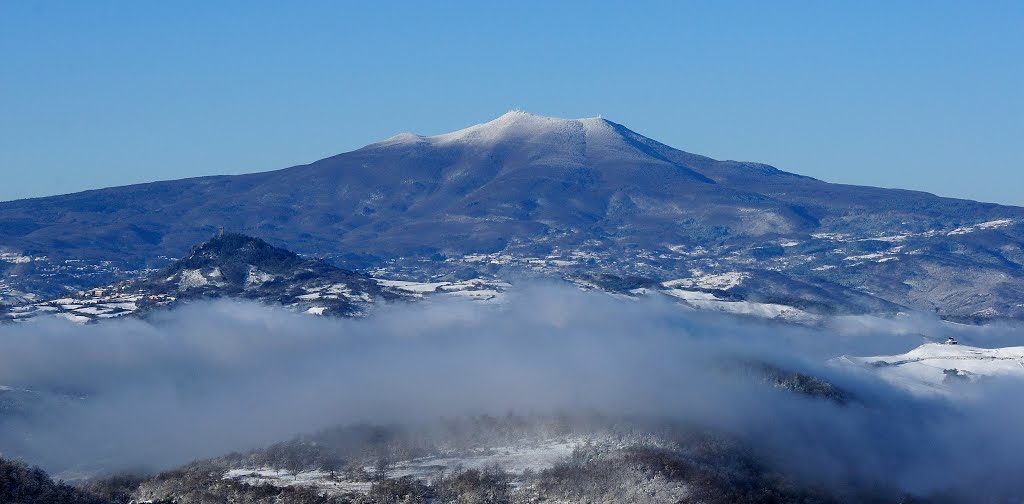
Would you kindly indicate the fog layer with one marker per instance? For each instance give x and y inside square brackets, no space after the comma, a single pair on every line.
[213,377]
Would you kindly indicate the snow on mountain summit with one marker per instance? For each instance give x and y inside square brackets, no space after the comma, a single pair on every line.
[553,139]
[520,125]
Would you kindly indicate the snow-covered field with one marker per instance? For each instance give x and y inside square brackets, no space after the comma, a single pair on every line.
[708,301]
[88,305]
[702,280]
[477,289]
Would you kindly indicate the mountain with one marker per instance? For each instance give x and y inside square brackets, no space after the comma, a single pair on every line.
[240,266]
[586,199]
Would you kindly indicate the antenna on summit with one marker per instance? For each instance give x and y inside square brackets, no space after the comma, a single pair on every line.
[220,231]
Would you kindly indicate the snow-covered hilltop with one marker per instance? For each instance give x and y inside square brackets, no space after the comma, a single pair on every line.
[938,368]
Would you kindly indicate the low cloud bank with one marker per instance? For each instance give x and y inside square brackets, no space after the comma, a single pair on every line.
[214,377]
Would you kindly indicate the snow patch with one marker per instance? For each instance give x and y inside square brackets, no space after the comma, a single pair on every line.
[14,258]
[992,224]
[191,279]
[255,278]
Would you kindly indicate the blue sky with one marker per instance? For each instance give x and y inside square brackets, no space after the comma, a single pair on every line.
[922,95]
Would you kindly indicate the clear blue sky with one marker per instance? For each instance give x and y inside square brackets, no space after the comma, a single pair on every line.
[923,95]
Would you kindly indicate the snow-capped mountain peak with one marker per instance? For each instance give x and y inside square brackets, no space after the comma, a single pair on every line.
[522,128]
